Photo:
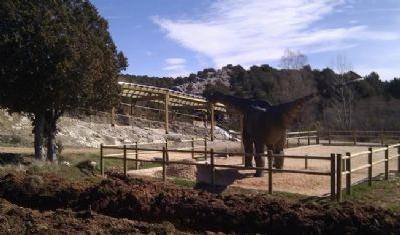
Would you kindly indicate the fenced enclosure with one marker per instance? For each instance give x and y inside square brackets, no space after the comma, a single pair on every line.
[332,168]
[342,137]
[345,165]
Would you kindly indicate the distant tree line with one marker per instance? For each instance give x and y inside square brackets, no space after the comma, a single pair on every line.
[368,104]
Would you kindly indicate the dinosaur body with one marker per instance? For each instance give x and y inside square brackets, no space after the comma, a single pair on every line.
[264,125]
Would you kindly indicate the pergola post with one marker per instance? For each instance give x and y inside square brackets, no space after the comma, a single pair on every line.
[112,116]
[166,112]
[212,120]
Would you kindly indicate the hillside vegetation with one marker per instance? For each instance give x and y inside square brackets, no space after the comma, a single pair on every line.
[371,104]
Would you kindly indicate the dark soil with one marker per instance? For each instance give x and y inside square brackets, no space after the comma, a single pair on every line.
[12,158]
[18,220]
[195,210]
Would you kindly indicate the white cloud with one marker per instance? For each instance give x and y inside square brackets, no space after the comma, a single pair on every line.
[175,67]
[256,31]
[175,61]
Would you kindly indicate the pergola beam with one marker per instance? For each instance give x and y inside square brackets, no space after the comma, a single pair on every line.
[170,98]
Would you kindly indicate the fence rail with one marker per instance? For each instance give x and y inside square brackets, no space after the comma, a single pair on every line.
[208,154]
[339,165]
[344,165]
[331,135]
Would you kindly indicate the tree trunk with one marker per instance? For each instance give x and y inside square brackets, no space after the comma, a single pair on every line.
[51,146]
[38,123]
[51,131]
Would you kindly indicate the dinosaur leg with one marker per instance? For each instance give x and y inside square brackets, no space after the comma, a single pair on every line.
[260,160]
[248,150]
[278,150]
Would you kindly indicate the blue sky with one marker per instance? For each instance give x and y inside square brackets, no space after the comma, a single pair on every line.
[178,37]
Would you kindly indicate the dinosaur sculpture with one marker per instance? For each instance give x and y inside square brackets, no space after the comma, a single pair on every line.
[265,124]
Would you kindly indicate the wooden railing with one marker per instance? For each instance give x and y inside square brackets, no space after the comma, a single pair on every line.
[338,165]
[126,153]
[138,150]
[354,136]
[344,165]
[299,135]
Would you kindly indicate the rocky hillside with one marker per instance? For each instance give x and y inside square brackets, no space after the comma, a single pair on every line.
[195,83]
[198,83]
[17,130]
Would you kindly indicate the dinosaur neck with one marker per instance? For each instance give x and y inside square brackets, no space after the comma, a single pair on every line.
[232,101]
[240,104]
[290,110]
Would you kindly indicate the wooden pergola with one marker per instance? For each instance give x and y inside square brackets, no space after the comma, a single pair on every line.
[170,98]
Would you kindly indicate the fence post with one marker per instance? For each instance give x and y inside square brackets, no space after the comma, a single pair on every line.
[287,142]
[298,141]
[387,162]
[270,171]
[370,166]
[164,170]
[339,177]
[212,167]
[317,139]
[166,149]
[306,161]
[348,173]
[101,160]
[125,161]
[329,137]
[333,174]
[192,148]
[308,137]
[354,138]
[381,135]
[136,156]
[205,148]
[398,158]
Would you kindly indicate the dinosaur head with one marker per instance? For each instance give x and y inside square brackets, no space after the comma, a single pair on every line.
[329,89]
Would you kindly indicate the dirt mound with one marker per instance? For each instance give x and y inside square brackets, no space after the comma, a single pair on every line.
[189,209]
[18,220]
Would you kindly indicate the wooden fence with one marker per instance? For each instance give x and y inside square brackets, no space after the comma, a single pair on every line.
[339,165]
[344,165]
[354,137]
[357,137]
[132,153]
[299,135]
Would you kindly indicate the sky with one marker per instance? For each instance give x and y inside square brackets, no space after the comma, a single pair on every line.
[179,37]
